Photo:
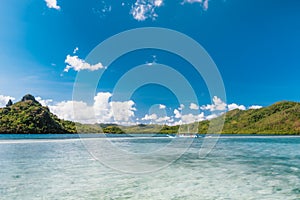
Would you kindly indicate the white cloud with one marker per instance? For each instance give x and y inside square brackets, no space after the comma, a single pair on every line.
[181,107]
[203,3]
[171,120]
[187,118]
[194,106]
[192,1]
[154,60]
[255,107]
[154,118]
[190,118]
[44,102]
[212,116]
[149,63]
[78,64]
[4,100]
[122,111]
[163,120]
[75,50]
[139,12]
[158,3]
[65,110]
[218,105]
[235,106]
[161,106]
[177,114]
[103,110]
[52,4]
[150,117]
[144,9]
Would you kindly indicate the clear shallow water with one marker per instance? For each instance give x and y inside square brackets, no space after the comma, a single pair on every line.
[51,167]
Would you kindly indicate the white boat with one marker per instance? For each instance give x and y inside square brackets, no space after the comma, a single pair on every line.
[182,136]
[171,136]
[187,136]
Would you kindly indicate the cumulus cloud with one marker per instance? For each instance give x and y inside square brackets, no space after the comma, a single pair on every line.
[77,111]
[190,118]
[73,62]
[44,102]
[158,3]
[181,107]
[52,4]
[4,100]
[161,106]
[194,106]
[218,105]
[103,110]
[154,118]
[102,107]
[150,117]
[177,114]
[122,111]
[235,106]
[212,116]
[187,118]
[255,107]
[163,120]
[203,3]
[144,9]
[139,12]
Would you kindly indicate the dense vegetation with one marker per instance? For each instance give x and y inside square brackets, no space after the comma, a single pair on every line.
[279,118]
[29,116]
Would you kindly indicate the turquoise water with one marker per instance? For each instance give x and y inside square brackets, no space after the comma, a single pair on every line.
[238,167]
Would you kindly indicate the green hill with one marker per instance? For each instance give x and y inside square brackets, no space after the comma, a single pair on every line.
[99,128]
[279,118]
[29,116]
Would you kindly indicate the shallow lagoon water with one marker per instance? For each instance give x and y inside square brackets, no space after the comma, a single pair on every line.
[238,167]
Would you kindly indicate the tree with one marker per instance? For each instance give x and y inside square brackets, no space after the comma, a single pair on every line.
[9,103]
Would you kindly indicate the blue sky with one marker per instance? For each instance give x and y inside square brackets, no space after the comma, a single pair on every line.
[255,45]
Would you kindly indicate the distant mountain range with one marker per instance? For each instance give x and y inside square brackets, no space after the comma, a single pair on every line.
[29,116]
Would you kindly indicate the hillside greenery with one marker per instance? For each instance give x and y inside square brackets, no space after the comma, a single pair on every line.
[29,116]
[279,118]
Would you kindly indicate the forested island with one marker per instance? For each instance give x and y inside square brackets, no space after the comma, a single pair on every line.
[29,116]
